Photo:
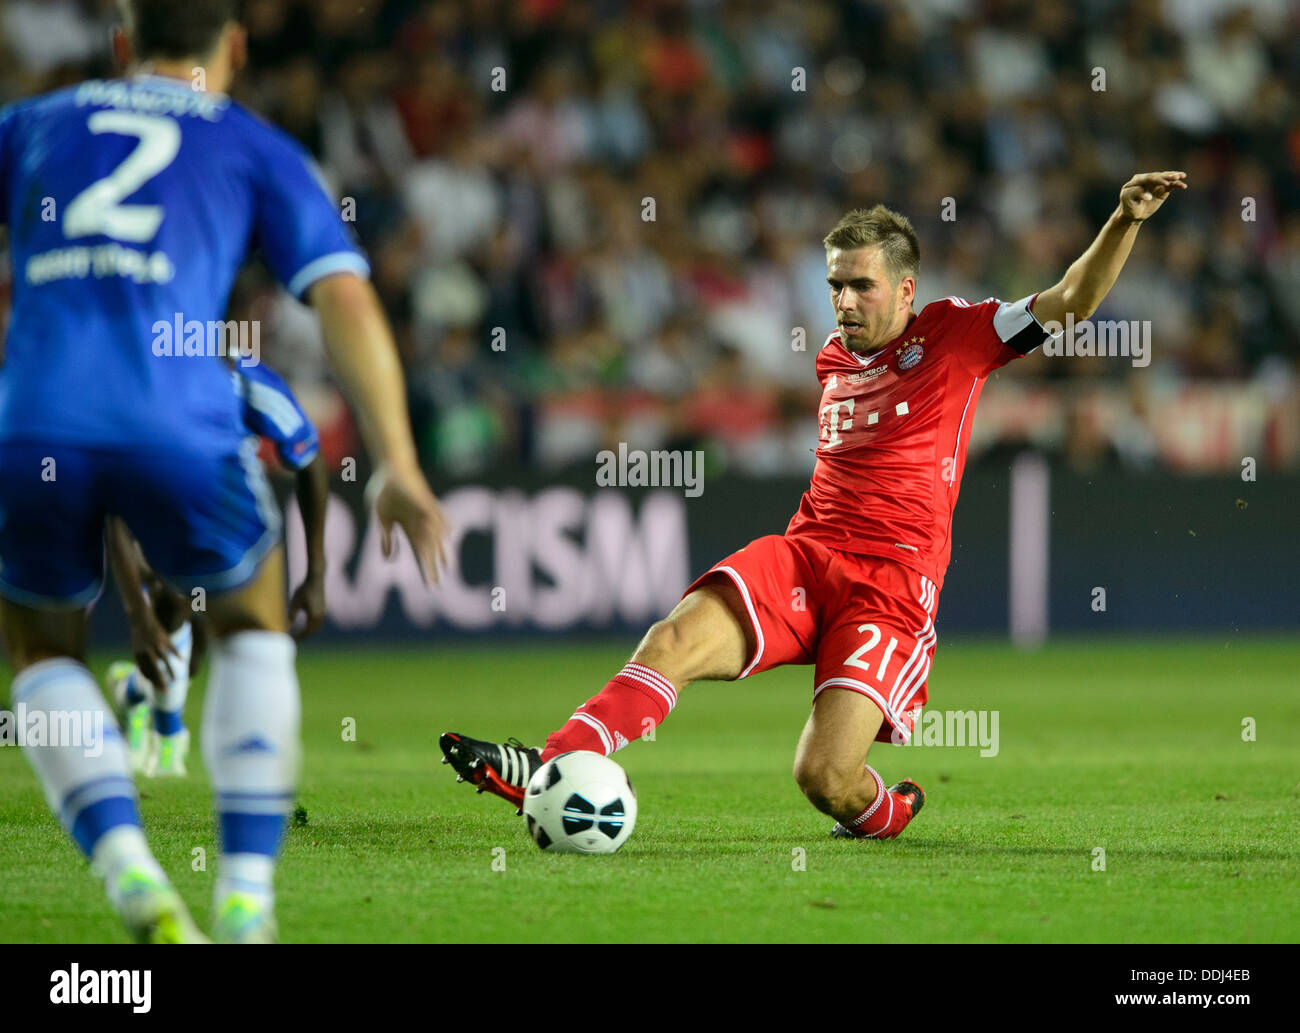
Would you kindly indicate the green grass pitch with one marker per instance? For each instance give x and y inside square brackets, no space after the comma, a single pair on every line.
[1135,747]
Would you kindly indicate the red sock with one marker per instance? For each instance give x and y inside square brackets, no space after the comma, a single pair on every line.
[885,817]
[636,699]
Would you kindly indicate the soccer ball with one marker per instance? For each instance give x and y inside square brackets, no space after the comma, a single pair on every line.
[580,803]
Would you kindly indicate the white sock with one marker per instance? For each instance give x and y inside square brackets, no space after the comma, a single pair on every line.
[251,719]
[250,874]
[87,782]
[169,701]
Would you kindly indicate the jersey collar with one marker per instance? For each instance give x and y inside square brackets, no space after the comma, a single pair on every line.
[172,82]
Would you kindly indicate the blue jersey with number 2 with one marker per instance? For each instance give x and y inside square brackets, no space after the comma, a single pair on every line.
[131,205]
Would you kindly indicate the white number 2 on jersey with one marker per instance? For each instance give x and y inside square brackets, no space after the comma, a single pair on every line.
[99,208]
[870,645]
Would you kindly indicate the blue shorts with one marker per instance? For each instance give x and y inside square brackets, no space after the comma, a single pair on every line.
[204,517]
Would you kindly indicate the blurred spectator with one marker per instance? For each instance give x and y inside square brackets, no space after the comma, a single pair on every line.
[44,35]
[599,217]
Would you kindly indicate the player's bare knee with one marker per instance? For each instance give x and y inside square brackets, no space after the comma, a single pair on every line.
[704,637]
[664,647]
[826,788]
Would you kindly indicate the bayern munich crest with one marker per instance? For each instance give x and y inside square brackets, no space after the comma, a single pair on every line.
[911,354]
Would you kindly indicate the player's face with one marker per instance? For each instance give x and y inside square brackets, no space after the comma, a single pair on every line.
[870,309]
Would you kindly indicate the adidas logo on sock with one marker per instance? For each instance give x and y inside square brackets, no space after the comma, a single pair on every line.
[252,744]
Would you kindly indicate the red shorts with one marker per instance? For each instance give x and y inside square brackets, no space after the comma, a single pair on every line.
[866,622]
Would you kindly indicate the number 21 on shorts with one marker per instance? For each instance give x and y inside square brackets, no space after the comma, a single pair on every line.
[873,640]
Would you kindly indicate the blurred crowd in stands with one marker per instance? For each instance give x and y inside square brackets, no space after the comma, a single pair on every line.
[594,221]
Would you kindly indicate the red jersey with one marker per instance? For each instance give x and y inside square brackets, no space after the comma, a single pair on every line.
[895,426]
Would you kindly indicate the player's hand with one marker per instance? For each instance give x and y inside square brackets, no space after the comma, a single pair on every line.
[151,646]
[1141,196]
[309,600]
[403,497]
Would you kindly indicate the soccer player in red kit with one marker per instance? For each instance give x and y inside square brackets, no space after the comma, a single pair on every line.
[853,584]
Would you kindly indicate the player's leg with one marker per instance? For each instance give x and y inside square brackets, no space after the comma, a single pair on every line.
[170,743]
[831,770]
[153,716]
[829,760]
[51,563]
[705,637]
[251,728]
[87,786]
[87,783]
[206,519]
[748,613]
[131,694]
[873,660]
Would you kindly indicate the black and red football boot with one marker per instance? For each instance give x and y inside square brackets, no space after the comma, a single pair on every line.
[499,768]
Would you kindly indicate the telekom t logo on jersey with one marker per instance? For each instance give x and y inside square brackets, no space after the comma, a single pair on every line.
[832,422]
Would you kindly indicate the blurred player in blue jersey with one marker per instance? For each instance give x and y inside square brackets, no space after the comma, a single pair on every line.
[150,694]
[131,205]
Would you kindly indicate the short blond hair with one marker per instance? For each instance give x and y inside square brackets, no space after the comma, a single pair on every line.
[879,227]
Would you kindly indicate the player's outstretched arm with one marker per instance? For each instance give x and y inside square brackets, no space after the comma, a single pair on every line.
[312,488]
[362,354]
[150,644]
[1093,273]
